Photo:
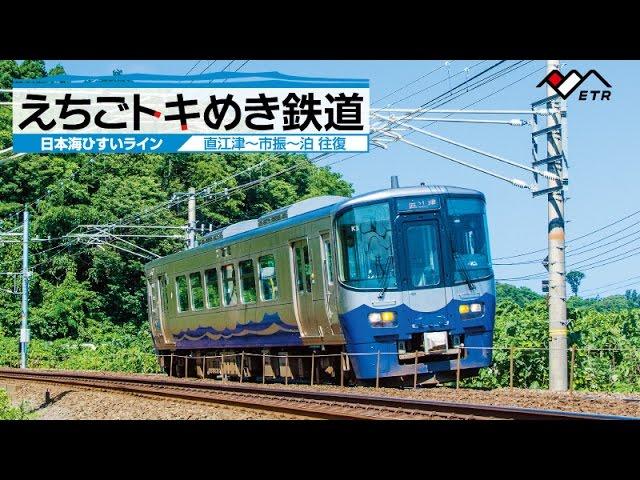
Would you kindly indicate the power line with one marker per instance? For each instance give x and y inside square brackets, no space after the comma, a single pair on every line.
[606,244]
[611,284]
[245,62]
[632,284]
[436,84]
[574,265]
[210,64]
[224,69]
[463,108]
[453,91]
[194,66]
[411,83]
[574,239]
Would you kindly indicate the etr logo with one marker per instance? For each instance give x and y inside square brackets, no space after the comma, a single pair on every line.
[565,85]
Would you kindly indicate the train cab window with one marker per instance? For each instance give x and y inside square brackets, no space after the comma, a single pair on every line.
[182,292]
[469,238]
[229,294]
[268,280]
[213,292]
[247,281]
[423,258]
[197,291]
[365,247]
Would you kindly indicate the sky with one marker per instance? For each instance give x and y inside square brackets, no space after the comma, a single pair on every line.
[603,141]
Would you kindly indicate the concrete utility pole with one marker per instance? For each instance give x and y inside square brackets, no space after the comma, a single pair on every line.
[557,273]
[24,329]
[192,218]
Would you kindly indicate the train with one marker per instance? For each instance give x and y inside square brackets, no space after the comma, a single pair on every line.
[394,285]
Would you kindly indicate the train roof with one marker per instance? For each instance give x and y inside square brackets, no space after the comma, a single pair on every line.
[385,194]
[302,212]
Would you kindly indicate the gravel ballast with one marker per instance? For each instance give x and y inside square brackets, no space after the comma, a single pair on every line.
[70,402]
[74,403]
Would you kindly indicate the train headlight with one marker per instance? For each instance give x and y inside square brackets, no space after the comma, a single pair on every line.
[383,319]
[471,310]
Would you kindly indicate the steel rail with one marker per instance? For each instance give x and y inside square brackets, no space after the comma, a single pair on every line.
[322,404]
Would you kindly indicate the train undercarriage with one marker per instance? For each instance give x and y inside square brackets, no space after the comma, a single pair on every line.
[330,366]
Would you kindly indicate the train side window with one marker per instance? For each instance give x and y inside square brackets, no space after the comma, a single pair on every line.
[164,293]
[247,281]
[213,293]
[328,258]
[303,268]
[307,267]
[182,292]
[230,296]
[299,269]
[268,279]
[197,291]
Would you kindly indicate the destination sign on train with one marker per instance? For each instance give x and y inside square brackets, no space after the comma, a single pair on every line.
[217,112]
[418,203]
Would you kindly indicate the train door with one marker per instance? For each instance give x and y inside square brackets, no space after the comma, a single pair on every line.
[154,308]
[163,310]
[158,308]
[328,274]
[303,271]
[423,269]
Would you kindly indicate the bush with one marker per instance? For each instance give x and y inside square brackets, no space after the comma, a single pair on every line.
[9,412]
[110,347]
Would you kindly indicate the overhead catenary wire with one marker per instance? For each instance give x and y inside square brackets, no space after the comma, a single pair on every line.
[446,96]
[427,88]
[514,181]
[455,111]
[379,135]
[513,122]
[477,150]
[458,90]
[475,102]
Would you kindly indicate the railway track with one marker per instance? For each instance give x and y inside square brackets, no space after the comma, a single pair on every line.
[320,404]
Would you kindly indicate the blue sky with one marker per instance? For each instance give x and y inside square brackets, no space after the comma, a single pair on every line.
[603,140]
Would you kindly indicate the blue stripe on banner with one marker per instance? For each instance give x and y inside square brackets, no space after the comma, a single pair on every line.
[227,85]
[231,80]
[32,143]
[143,143]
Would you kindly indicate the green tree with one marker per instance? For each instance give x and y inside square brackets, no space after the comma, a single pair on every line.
[57,70]
[74,284]
[575,278]
[518,295]
[632,297]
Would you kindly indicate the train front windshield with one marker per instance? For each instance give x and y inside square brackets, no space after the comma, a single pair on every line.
[468,238]
[366,257]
